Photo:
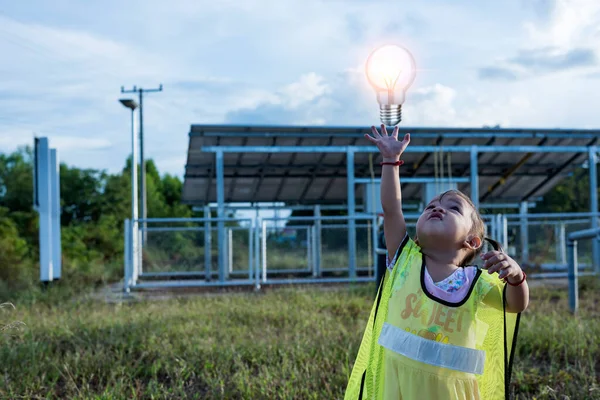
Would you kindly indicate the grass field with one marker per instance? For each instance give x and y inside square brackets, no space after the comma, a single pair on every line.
[278,344]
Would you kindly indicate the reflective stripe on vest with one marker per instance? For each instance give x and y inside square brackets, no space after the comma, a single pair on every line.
[431,352]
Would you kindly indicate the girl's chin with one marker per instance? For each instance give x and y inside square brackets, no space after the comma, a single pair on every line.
[434,236]
[437,244]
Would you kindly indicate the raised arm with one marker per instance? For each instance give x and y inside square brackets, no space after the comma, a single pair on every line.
[394,226]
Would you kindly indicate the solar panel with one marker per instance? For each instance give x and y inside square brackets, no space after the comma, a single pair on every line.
[320,178]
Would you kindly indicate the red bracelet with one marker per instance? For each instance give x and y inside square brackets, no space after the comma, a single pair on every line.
[396,163]
[517,284]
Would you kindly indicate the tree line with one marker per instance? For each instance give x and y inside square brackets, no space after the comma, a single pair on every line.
[94,204]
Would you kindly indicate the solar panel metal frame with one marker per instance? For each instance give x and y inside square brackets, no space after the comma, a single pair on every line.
[320,178]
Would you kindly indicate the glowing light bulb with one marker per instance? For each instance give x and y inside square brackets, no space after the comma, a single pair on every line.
[390,70]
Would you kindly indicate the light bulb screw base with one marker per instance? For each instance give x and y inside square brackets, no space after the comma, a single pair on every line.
[391,114]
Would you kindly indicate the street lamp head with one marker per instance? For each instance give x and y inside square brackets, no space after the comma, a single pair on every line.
[129,103]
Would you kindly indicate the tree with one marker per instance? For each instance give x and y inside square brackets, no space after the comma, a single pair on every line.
[13,249]
[16,194]
[81,192]
[571,195]
[16,180]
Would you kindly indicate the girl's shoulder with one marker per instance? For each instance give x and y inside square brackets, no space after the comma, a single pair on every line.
[407,248]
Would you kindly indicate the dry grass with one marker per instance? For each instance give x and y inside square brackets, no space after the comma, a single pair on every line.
[286,343]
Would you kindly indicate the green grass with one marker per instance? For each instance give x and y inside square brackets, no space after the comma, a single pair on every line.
[277,344]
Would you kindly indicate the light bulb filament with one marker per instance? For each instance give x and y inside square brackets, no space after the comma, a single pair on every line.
[391,84]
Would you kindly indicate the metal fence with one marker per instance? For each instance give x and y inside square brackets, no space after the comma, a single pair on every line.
[316,249]
[182,252]
[573,269]
[163,253]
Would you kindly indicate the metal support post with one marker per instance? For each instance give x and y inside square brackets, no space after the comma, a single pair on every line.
[230,249]
[499,229]
[44,208]
[561,244]
[135,241]
[55,215]
[572,239]
[524,228]
[138,266]
[504,228]
[257,252]
[264,251]
[250,250]
[493,228]
[351,214]
[144,201]
[310,257]
[128,257]
[207,244]
[318,243]
[573,285]
[143,205]
[474,177]
[222,252]
[592,165]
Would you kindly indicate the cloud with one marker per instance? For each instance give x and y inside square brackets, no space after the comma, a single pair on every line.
[70,143]
[553,59]
[562,38]
[434,105]
[67,56]
[11,139]
[296,103]
[207,84]
[498,73]
[535,62]
[542,8]
[66,145]
[361,26]
[565,23]
[310,87]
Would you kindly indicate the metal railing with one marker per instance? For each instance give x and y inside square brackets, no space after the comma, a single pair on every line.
[229,251]
[573,272]
[156,264]
[314,268]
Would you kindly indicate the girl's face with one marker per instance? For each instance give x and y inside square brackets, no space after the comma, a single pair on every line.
[445,223]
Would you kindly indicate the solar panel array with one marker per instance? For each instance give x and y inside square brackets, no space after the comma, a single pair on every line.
[320,178]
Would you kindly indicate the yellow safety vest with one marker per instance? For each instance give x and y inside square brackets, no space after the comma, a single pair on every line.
[416,346]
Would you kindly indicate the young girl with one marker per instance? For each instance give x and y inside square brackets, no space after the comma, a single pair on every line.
[439,328]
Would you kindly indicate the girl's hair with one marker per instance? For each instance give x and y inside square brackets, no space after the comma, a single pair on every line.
[478,228]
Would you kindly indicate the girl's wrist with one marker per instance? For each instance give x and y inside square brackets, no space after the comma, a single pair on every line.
[517,280]
[391,159]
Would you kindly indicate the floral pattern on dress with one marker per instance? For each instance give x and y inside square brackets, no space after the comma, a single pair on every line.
[453,282]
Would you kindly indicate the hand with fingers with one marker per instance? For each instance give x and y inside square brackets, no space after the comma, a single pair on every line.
[389,146]
[507,268]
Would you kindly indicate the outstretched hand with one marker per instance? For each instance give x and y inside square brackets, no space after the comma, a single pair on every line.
[389,146]
[506,267]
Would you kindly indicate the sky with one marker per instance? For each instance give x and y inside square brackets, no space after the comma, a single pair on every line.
[515,63]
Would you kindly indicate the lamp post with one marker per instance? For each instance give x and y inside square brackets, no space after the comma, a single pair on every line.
[132,105]
[140,91]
